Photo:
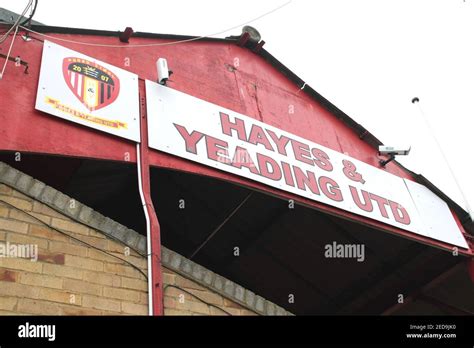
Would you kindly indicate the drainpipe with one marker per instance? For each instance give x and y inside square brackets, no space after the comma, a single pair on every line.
[155,288]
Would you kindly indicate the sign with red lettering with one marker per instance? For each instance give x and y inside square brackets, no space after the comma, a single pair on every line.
[194,129]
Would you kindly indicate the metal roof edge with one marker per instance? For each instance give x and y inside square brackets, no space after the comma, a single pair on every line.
[110,33]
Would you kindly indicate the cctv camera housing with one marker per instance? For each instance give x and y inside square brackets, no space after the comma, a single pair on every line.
[254,34]
[393,150]
[163,71]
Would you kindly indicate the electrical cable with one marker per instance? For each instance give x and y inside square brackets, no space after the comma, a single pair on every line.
[151,291]
[16,24]
[433,135]
[32,13]
[195,296]
[72,237]
[161,43]
[8,54]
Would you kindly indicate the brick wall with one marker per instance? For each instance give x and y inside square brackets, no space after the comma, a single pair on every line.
[68,277]
[186,297]
[88,264]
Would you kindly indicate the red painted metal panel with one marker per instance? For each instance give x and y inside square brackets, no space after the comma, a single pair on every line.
[203,69]
[26,130]
[221,73]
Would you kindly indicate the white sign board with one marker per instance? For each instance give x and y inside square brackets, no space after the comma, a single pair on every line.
[185,126]
[84,90]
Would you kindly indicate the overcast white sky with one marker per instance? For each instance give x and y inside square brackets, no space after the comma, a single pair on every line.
[368,57]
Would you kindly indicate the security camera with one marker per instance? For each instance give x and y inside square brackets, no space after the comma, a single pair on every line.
[393,150]
[163,71]
[253,33]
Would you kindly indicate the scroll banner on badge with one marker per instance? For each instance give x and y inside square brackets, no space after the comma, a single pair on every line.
[191,128]
[84,90]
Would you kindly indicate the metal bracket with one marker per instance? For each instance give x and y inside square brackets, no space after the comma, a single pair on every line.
[383,163]
[16,60]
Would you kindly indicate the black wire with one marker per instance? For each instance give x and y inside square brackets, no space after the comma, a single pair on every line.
[76,239]
[31,14]
[195,296]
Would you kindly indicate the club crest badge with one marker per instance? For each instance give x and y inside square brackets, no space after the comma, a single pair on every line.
[95,86]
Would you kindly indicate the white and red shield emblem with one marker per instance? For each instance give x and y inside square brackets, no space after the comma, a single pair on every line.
[94,85]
